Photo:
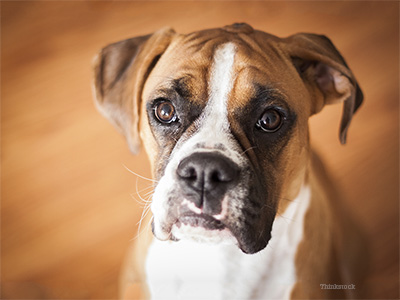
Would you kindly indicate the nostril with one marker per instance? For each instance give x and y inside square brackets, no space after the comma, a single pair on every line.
[215,177]
[187,172]
[191,174]
[219,176]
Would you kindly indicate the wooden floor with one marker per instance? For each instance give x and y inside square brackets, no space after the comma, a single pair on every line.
[68,208]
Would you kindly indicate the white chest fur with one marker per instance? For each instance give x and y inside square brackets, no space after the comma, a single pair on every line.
[190,270]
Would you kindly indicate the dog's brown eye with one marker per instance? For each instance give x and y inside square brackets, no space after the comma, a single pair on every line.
[165,112]
[270,121]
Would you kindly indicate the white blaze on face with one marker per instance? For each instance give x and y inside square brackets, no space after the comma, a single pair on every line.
[220,86]
[213,132]
[214,125]
[213,122]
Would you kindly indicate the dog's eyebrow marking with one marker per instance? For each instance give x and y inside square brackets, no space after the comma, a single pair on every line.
[181,87]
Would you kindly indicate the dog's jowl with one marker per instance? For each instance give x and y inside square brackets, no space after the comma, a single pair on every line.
[242,208]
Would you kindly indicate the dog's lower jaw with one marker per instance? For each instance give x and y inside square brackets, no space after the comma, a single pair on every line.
[249,240]
[253,246]
[248,227]
[161,232]
[183,232]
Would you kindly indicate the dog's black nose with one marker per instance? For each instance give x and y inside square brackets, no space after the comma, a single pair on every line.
[205,177]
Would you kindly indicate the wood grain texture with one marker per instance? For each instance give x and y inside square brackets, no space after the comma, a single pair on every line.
[67,215]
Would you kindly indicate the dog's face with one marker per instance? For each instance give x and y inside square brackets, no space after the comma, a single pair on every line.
[224,119]
[226,139]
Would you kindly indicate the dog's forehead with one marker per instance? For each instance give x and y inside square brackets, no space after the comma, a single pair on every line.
[190,59]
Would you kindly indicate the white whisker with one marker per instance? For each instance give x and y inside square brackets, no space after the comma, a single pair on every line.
[145,212]
[140,176]
[248,149]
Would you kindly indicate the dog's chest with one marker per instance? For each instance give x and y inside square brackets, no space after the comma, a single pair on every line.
[189,270]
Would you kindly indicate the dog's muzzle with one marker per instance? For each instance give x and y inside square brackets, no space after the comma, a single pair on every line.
[208,196]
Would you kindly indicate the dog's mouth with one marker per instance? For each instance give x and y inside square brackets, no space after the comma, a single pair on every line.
[200,228]
[200,220]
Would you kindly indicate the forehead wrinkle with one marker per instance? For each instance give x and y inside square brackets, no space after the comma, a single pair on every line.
[264,49]
[243,89]
[185,85]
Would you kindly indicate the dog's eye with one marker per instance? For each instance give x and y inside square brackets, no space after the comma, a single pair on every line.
[165,112]
[270,121]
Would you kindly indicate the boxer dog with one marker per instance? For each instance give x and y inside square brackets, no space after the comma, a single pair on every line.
[242,208]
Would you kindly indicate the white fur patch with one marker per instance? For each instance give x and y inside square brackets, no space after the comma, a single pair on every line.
[224,206]
[214,124]
[192,206]
[214,128]
[202,235]
[220,86]
[190,270]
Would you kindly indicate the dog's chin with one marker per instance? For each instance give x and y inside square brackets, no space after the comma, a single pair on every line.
[202,234]
[201,228]
[205,229]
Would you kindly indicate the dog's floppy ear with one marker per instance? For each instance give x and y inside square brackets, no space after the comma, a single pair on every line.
[322,66]
[120,71]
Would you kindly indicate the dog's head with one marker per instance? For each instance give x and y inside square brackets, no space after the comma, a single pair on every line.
[223,115]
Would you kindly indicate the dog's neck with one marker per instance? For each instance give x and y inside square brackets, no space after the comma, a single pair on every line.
[179,270]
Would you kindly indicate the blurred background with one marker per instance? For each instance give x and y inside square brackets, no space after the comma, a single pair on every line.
[68,208]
